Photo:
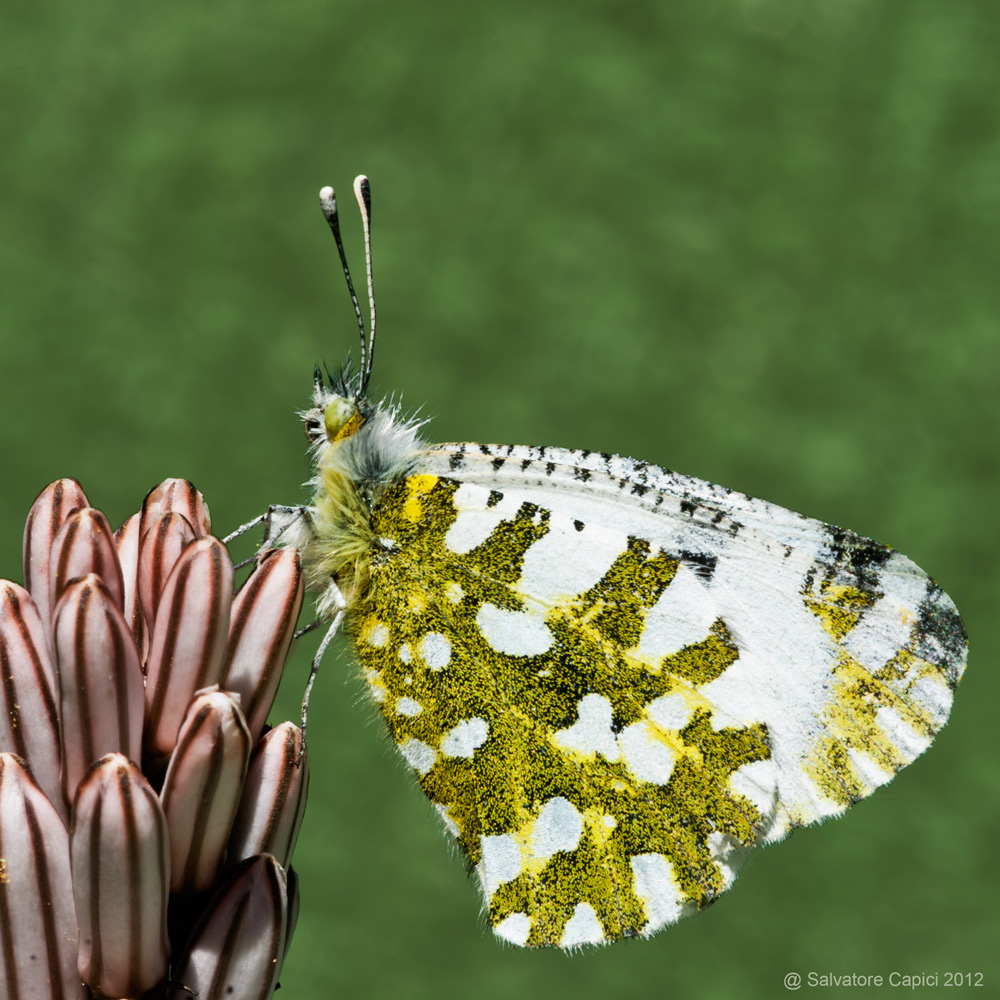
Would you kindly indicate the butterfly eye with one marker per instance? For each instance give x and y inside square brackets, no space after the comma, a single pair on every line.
[341,418]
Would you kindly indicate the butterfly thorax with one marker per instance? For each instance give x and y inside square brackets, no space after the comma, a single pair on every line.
[360,450]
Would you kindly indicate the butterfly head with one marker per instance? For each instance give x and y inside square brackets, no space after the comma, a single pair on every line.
[339,408]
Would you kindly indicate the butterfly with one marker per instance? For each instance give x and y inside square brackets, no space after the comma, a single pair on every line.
[612,681]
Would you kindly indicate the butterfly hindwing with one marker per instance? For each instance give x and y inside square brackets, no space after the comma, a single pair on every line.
[612,682]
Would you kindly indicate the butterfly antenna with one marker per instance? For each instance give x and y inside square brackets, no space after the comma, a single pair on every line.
[328,203]
[363,193]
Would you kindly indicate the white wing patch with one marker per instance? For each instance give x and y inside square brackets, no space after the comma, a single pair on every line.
[501,862]
[568,560]
[420,756]
[435,649]
[466,738]
[655,886]
[520,633]
[591,733]
[475,521]
[682,615]
[514,929]
[582,928]
[646,755]
[558,828]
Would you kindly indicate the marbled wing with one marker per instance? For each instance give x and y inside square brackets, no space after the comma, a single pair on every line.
[612,681]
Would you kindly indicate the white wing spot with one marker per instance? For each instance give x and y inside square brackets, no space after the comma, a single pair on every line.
[655,886]
[475,522]
[517,633]
[407,706]
[591,733]
[466,738]
[610,822]
[378,636]
[558,828]
[501,862]
[514,929]
[404,653]
[453,591]
[420,756]
[671,711]
[930,694]
[435,648]
[567,561]
[647,757]
[867,770]
[582,928]
[682,615]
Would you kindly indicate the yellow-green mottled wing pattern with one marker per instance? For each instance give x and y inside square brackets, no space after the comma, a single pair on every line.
[612,683]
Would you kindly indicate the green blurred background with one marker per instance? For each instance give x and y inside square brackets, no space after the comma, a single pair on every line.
[752,240]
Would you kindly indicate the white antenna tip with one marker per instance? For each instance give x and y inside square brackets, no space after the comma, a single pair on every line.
[327,197]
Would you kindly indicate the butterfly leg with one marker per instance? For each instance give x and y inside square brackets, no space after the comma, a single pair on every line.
[306,629]
[335,600]
[276,515]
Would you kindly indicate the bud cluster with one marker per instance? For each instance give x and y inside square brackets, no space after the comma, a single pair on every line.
[147,814]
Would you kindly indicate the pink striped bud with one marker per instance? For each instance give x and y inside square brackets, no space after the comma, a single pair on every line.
[100,679]
[274,797]
[175,495]
[121,868]
[84,544]
[188,639]
[29,722]
[54,504]
[237,947]
[264,616]
[76,706]
[201,791]
[127,543]
[159,550]
[37,920]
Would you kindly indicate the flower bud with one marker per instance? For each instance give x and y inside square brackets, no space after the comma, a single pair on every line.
[262,626]
[121,869]
[274,797]
[188,639]
[175,495]
[159,550]
[127,544]
[100,679]
[54,504]
[237,947]
[29,721]
[84,544]
[201,791]
[37,920]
